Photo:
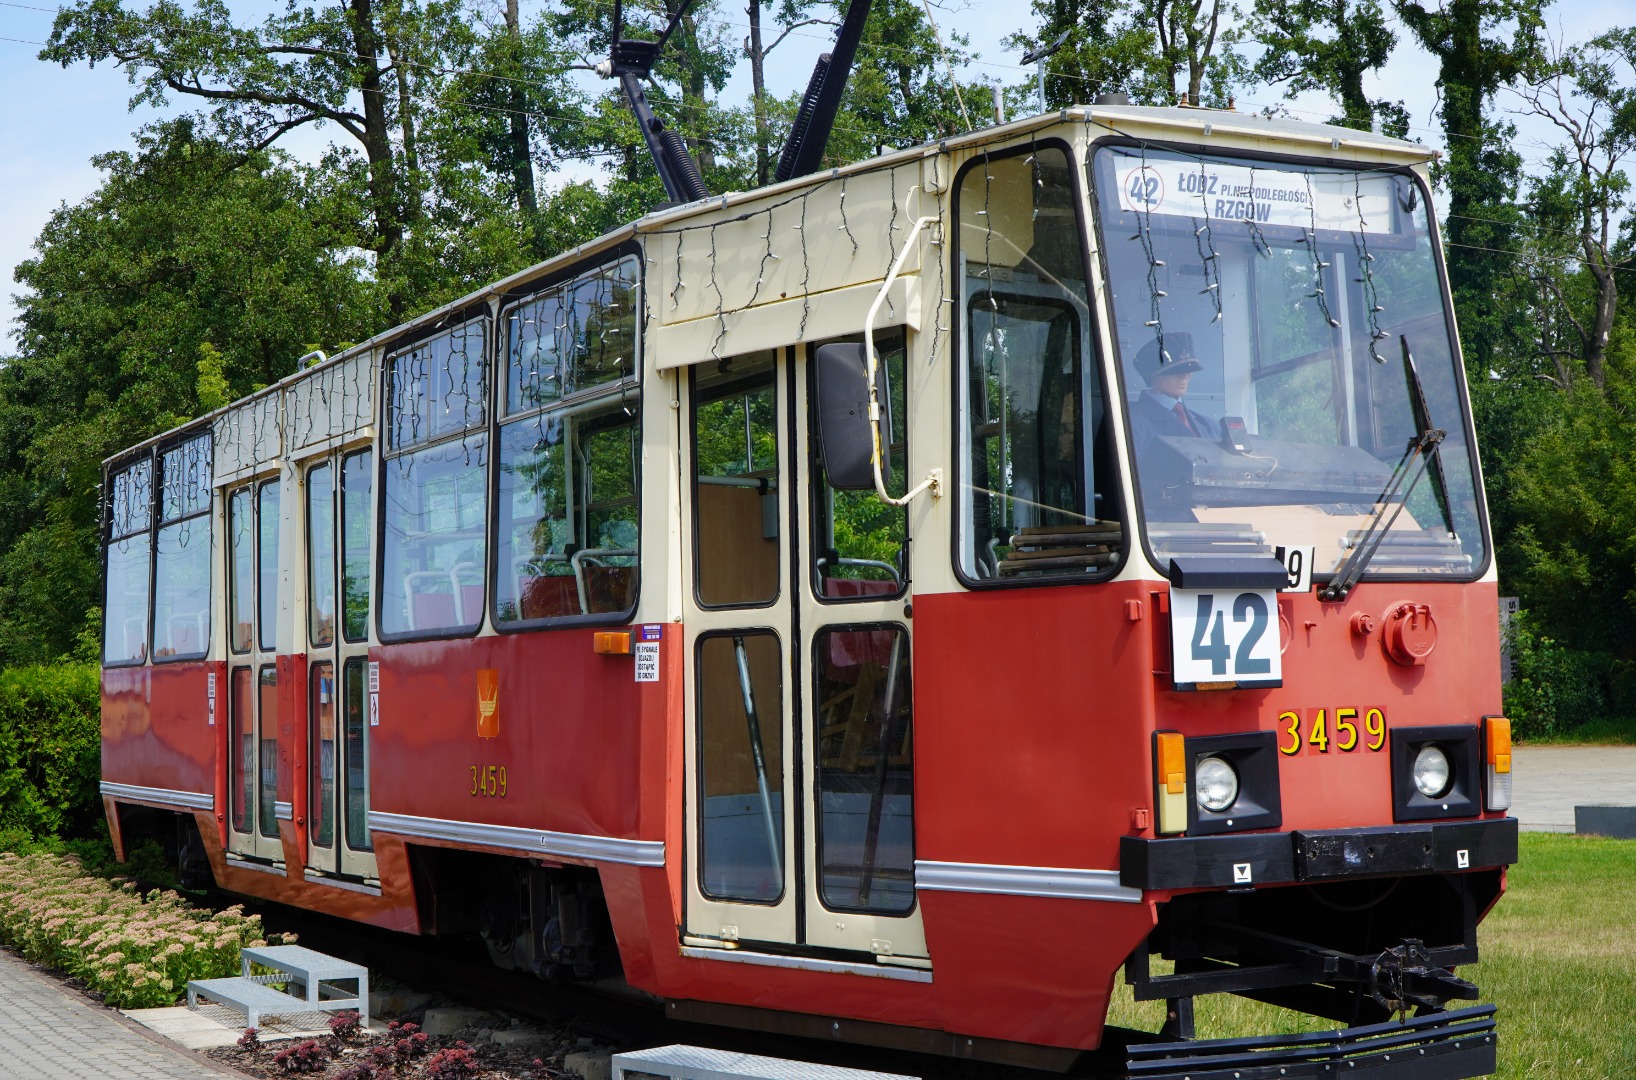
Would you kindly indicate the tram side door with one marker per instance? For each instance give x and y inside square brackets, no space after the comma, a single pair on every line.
[253,524]
[742,833]
[799,775]
[336,627]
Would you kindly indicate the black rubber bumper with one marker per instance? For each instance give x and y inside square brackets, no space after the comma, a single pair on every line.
[1438,1046]
[1244,861]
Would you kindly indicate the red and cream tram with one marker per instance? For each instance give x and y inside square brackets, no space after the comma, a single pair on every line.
[1151,629]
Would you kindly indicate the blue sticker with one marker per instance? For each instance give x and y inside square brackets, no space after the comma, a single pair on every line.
[650,633]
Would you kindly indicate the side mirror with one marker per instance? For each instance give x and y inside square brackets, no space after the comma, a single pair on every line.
[844,440]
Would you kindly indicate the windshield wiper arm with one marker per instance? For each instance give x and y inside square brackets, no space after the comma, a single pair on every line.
[1421,453]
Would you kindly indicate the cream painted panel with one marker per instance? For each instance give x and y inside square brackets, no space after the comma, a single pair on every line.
[826,315]
[840,232]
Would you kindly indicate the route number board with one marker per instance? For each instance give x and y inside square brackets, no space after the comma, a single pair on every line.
[1224,639]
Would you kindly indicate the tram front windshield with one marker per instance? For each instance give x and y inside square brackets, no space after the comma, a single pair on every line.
[1278,305]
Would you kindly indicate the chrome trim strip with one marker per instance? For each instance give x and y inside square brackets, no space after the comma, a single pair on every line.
[804,963]
[1065,883]
[239,862]
[193,800]
[318,877]
[533,841]
[284,811]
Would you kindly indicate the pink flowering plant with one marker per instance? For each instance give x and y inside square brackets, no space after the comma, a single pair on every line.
[138,950]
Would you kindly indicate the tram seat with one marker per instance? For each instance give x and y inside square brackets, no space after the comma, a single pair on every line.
[430,610]
[548,596]
[846,588]
[609,588]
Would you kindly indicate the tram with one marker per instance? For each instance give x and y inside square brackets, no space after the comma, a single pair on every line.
[894,605]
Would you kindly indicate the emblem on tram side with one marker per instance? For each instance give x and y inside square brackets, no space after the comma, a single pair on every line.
[488,703]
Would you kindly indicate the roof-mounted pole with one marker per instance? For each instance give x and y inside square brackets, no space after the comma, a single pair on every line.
[804,149]
[631,61]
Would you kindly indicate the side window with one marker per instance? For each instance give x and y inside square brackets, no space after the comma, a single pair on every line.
[1038,499]
[860,544]
[241,569]
[735,483]
[267,521]
[569,451]
[321,554]
[181,564]
[357,482]
[129,547]
[435,497]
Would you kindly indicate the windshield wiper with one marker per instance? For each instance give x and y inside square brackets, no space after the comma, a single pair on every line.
[1418,456]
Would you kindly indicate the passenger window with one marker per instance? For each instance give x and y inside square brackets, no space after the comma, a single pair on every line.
[357,481]
[735,488]
[267,496]
[125,606]
[569,450]
[866,791]
[181,565]
[860,544]
[241,569]
[1037,498]
[741,756]
[321,554]
[435,499]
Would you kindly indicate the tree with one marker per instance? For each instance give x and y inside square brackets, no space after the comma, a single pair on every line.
[188,253]
[1480,46]
[1329,45]
[1136,47]
[1585,92]
[355,65]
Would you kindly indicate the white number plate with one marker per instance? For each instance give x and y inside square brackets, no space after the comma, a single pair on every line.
[1222,639]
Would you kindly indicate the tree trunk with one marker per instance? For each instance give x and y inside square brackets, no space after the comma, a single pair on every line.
[377,142]
[759,93]
[522,159]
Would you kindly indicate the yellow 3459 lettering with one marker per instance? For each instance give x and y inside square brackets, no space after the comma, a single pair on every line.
[1320,731]
[488,780]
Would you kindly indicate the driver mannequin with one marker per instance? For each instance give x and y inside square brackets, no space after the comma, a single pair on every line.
[1160,409]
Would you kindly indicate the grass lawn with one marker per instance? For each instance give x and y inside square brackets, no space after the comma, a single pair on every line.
[1559,959]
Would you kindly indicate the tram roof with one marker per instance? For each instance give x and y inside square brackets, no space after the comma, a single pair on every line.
[1188,125]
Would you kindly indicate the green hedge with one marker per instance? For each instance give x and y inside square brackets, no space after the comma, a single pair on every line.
[50,750]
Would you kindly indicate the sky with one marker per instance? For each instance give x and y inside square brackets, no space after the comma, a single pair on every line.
[53,121]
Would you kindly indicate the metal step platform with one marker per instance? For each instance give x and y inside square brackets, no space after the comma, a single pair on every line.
[314,982]
[699,1063]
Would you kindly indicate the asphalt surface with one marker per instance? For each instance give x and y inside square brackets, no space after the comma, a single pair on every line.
[1550,781]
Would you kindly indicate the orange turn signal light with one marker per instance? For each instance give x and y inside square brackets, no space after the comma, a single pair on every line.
[613,642]
[1498,741]
[1172,753]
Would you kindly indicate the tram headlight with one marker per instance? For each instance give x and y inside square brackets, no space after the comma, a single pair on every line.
[1216,783]
[1432,774]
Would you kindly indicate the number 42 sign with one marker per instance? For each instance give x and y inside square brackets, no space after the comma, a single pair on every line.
[1224,639]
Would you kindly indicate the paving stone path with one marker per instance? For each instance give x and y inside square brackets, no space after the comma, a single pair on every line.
[48,1032]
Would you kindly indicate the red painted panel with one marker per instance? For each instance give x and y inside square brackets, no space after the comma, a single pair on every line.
[569,725]
[156,728]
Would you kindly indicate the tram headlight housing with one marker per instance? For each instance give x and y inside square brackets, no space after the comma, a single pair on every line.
[1435,771]
[1216,782]
[1235,783]
[1433,775]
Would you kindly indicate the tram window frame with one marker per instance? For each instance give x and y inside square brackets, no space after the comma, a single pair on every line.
[127,521]
[241,590]
[892,344]
[321,542]
[267,548]
[363,501]
[179,507]
[1101,474]
[406,443]
[721,384]
[570,420]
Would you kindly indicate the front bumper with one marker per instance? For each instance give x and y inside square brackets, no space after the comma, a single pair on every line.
[1438,1046]
[1248,860]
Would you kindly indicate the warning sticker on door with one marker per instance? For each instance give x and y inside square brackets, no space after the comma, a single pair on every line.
[647,661]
